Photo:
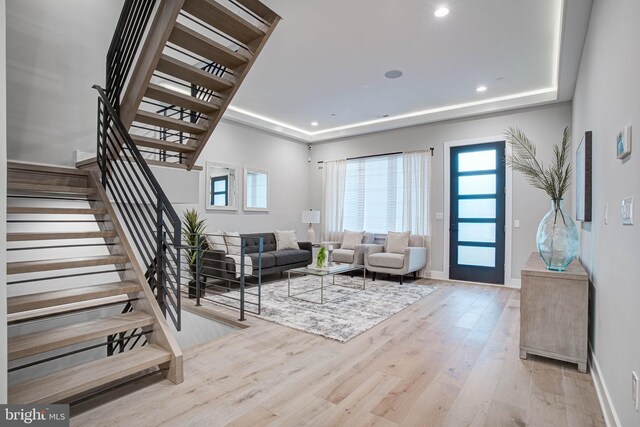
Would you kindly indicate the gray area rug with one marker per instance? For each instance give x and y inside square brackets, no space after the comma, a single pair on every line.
[347,312]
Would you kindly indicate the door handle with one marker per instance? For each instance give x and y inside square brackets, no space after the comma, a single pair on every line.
[453,226]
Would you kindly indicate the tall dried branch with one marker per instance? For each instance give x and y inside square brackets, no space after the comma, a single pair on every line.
[554,180]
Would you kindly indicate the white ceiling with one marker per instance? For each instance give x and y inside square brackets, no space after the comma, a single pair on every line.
[326,62]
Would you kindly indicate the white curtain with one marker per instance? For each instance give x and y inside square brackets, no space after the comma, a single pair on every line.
[415,194]
[334,178]
[416,168]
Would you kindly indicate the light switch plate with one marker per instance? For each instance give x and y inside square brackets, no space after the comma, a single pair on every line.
[439,215]
[516,223]
[627,211]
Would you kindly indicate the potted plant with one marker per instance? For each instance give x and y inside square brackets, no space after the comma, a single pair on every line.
[322,257]
[193,231]
[557,236]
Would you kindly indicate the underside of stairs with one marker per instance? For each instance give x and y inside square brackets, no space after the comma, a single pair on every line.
[71,276]
[193,60]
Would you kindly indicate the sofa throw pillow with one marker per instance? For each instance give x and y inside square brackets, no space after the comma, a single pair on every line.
[286,239]
[234,243]
[351,238]
[397,242]
[368,238]
[216,241]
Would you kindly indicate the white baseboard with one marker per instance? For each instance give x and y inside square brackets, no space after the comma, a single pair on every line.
[608,410]
[513,283]
[437,275]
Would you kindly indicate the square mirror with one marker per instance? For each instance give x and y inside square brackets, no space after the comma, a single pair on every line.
[221,186]
[256,190]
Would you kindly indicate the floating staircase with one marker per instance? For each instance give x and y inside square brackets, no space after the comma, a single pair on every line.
[194,58]
[71,271]
[88,298]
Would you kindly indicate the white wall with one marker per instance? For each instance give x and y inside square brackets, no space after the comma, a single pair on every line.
[607,98]
[543,125]
[287,164]
[3,207]
[197,329]
[56,50]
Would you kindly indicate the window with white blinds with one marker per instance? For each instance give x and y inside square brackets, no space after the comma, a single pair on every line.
[373,194]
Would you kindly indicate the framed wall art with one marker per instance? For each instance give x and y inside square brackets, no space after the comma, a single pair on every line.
[623,143]
[583,179]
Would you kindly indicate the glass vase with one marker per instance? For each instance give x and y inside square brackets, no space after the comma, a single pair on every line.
[557,238]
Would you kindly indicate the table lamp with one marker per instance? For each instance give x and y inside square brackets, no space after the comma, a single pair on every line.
[311,217]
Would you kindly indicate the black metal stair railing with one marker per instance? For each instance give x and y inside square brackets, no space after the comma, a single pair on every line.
[150,220]
[125,43]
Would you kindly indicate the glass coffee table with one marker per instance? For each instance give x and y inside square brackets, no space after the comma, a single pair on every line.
[322,273]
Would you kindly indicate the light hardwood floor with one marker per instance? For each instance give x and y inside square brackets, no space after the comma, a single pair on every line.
[451,359]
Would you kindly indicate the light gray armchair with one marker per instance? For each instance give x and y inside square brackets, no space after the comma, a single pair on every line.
[350,256]
[412,259]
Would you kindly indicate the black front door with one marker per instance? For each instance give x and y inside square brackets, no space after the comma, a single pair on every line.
[477,220]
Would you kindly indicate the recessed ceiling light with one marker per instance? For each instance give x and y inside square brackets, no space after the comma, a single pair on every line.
[393,74]
[441,12]
[314,123]
[481,88]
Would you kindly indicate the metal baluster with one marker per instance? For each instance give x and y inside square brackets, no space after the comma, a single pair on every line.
[242,252]
[260,275]
[160,279]
[197,278]
[105,129]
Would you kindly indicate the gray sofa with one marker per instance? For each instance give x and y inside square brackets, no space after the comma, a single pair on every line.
[217,264]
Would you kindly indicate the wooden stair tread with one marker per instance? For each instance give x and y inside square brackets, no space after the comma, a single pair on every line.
[258,8]
[68,296]
[63,263]
[44,188]
[223,19]
[45,168]
[171,97]
[72,381]
[172,165]
[168,122]
[55,211]
[161,145]
[51,339]
[191,74]
[29,236]
[197,43]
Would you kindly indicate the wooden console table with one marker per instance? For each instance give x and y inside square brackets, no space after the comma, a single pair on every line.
[554,312]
